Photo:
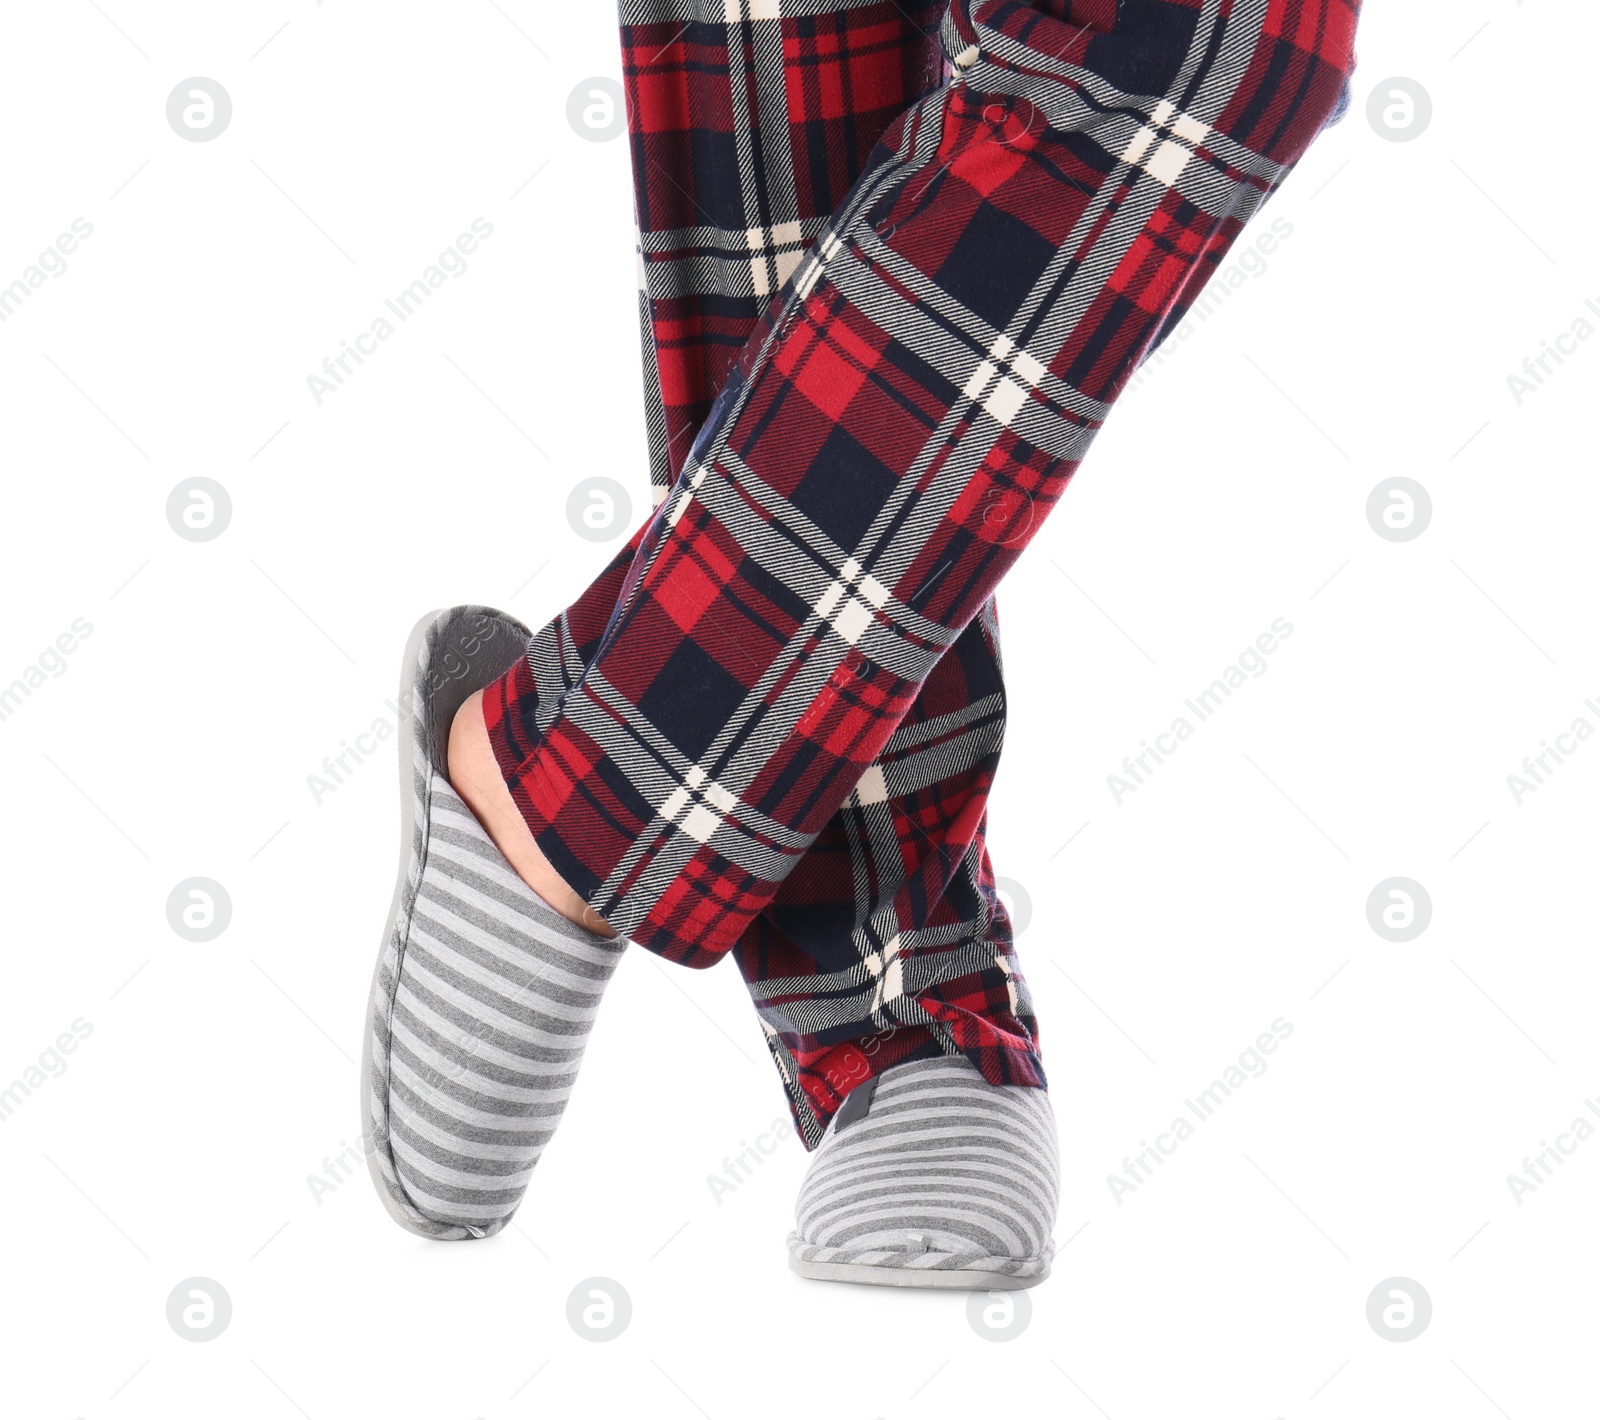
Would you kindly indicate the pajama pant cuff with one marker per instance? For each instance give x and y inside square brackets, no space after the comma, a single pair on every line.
[822,1078]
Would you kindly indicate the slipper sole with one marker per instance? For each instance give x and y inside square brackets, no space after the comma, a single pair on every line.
[952,1279]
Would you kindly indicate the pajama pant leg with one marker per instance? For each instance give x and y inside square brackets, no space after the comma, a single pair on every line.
[891,436]
[888,942]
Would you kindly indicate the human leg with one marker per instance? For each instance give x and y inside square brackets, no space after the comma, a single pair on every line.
[894,433]
[871,352]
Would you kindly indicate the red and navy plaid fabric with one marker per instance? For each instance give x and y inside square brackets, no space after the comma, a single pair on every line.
[771,726]
[747,128]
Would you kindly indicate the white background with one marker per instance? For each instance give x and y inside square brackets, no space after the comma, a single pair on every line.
[1227,891]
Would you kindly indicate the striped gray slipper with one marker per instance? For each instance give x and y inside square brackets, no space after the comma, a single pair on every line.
[483,996]
[929,1176]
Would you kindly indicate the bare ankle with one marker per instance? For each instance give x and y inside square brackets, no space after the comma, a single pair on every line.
[475,776]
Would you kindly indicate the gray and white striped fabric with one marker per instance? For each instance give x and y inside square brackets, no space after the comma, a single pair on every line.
[946,1181]
[482,1003]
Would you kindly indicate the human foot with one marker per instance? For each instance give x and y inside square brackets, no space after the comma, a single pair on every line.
[475,776]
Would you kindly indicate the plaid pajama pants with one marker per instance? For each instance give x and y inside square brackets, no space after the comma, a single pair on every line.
[897,261]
